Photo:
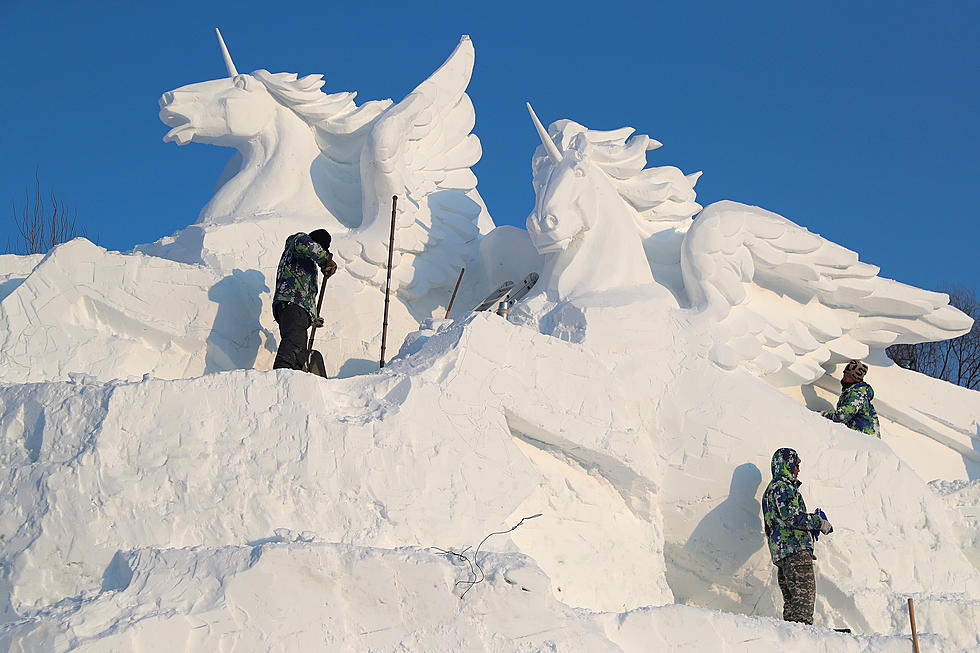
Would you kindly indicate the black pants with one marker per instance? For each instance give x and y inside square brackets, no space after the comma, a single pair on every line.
[293,323]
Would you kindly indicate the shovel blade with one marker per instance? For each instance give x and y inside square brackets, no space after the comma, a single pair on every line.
[316,365]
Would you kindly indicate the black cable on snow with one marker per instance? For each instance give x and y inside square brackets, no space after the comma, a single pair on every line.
[474,563]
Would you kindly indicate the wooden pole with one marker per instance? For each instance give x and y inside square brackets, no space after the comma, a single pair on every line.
[391,250]
[915,635]
[319,305]
[453,298]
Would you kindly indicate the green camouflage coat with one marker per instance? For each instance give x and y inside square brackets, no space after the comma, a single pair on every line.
[855,410]
[297,275]
[787,522]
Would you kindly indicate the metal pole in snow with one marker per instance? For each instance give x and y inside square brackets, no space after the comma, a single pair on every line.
[391,250]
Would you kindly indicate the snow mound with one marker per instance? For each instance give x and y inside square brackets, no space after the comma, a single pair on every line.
[963,500]
[121,316]
[125,492]
[251,597]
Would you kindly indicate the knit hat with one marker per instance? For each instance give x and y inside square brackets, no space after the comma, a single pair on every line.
[856,370]
[321,237]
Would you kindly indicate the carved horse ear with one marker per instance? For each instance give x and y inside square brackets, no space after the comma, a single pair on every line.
[580,145]
[229,64]
[549,145]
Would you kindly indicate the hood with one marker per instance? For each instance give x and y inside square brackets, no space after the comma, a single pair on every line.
[783,462]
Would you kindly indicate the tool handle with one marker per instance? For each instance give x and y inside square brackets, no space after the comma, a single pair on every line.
[453,298]
[915,635]
[319,305]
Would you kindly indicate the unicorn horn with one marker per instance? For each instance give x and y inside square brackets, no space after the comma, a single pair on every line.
[229,64]
[549,145]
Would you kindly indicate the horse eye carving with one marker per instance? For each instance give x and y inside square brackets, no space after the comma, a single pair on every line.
[579,172]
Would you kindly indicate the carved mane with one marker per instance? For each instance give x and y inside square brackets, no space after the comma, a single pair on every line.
[330,114]
[655,195]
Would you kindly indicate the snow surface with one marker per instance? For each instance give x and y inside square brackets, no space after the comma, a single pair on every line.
[585,476]
[152,512]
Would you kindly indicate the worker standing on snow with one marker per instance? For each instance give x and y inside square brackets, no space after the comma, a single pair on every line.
[854,408]
[791,532]
[295,298]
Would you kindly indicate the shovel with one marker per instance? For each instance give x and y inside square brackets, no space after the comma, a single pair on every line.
[314,363]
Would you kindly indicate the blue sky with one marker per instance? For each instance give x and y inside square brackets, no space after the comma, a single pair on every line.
[856,122]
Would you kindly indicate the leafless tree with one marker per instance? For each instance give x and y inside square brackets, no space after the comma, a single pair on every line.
[956,360]
[40,226]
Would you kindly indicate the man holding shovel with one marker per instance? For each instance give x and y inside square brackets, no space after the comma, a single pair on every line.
[293,303]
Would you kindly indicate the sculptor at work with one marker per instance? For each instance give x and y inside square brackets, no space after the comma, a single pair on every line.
[295,298]
[854,408]
[791,532]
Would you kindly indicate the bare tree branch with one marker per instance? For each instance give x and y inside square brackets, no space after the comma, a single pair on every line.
[956,360]
[39,227]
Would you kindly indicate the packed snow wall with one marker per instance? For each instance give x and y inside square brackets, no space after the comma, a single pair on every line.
[648,494]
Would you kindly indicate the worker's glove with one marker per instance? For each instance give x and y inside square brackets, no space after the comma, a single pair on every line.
[825,526]
[318,322]
[329,268]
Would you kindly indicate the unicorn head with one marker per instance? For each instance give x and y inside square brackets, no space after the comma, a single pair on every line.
[593,201]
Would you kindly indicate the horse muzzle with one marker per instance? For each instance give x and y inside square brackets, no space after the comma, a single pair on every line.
[546,233]
[181,130]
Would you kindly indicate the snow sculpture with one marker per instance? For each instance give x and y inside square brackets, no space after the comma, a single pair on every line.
[787,301]
[580,223]
[774,298]
[645,465]
[302,158]
[305,153]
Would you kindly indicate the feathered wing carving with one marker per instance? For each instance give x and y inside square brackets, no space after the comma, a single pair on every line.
[421,150]
[784,301]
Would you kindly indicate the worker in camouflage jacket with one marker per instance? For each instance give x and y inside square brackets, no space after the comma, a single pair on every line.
[791,532]
[293,305]
[854,407]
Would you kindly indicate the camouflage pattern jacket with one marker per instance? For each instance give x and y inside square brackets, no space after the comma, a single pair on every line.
[854,409]
[296,277]
[787,522]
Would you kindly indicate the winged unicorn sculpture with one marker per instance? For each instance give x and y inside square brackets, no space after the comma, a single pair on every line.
[305,153]
[778,300]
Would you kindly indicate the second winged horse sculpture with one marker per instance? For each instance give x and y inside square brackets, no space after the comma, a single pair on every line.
[304,153]
[778,300]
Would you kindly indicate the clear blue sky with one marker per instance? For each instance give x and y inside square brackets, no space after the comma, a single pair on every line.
[856,120]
